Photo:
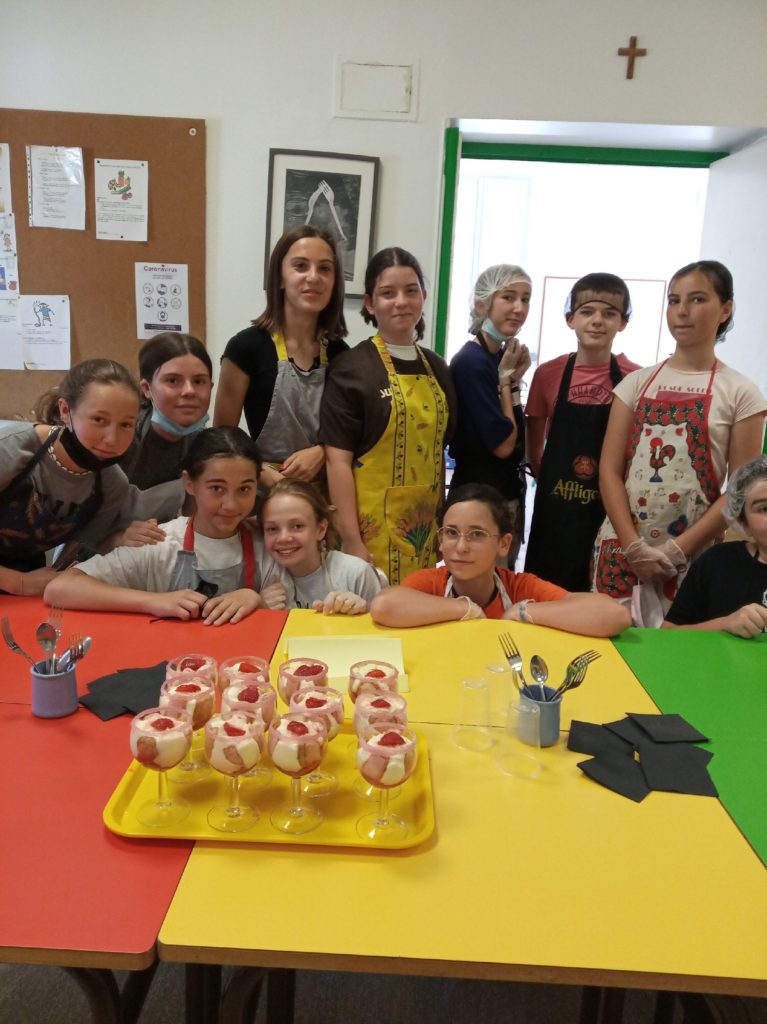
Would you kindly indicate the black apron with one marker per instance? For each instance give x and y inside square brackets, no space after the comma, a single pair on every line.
[31,523]
[568,510]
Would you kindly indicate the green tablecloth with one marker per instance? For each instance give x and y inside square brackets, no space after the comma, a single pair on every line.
[719,684]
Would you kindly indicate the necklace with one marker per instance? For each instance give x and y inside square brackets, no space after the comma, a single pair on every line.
[66,469]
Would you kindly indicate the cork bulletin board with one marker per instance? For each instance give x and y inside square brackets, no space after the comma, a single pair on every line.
[98,275]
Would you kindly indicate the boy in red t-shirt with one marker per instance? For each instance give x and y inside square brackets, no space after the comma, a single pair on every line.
[568,406]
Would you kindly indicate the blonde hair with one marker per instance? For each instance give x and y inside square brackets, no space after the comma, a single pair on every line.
[316,500]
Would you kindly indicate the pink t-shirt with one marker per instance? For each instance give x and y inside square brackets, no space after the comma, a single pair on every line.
[589,385]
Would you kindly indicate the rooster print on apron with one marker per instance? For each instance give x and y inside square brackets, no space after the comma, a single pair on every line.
[670,482]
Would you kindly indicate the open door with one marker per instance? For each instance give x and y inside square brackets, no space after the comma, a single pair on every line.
[733,232]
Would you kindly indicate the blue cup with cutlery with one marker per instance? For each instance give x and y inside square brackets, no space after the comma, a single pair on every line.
[54,694]
[549,705]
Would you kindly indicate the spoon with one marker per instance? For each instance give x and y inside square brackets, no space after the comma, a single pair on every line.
[540,673]
[45,634]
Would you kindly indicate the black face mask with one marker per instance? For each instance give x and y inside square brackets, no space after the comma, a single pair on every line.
[79,454]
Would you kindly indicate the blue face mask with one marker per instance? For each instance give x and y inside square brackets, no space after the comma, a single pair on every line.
[170,427]
[489,328]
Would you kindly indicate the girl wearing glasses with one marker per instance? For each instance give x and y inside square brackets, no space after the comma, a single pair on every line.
[474,532]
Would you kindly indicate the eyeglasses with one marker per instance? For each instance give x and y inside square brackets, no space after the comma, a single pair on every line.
[449,535]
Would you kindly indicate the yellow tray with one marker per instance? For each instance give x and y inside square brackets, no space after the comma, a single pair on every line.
[413,802]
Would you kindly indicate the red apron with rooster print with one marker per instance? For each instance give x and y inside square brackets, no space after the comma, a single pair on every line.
[670,482]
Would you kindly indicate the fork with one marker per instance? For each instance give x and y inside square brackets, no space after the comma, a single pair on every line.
[575,672]
[8,637]
[514,658]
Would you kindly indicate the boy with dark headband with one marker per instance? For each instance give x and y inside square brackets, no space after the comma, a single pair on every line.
[568,408]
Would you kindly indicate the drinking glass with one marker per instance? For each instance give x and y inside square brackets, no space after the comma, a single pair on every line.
[234,742]
[472,727]
[298,672]
[159,739]
[327,705]
[521,743]
[386,758]
[297,743]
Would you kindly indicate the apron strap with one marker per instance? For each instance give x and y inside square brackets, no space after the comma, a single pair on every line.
[248,553]
[506,602]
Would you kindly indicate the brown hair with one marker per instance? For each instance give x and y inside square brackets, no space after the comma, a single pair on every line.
[331,320]
[392,257]
[311,494]
[74,384]
[169,345]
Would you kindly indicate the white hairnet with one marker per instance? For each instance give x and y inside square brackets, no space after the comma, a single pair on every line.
[741,482]
[489,283]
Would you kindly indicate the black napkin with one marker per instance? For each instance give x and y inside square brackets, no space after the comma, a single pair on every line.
[668,728]
[617,772]
[129,690]
[587,738]
[676,768]
[628,730]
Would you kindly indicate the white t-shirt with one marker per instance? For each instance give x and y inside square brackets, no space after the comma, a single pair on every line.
[151,567]
[340,572]
[733,398]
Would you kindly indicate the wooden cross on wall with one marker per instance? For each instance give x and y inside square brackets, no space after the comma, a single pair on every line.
[632,51]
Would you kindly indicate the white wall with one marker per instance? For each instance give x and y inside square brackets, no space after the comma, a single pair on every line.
[261,74]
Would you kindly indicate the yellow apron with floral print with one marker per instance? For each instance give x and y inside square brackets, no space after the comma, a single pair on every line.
[399,481]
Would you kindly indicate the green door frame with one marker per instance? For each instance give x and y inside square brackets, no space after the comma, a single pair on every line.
[456,149]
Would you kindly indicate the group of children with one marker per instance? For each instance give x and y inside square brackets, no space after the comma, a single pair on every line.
[650,448]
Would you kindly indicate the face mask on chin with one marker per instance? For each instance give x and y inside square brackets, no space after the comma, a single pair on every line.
[81,455]
[161,420]
[489,328]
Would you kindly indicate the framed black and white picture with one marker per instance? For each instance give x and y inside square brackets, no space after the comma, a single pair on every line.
[333,191]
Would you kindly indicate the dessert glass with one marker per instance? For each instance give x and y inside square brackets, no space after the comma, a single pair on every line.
[185,666]
[234,742]
[299,672]
[247,669]
[254,699]
[197,696]
[297,743]
[159,739]
[328,706]
[386,758]
[372,676]
[371,709]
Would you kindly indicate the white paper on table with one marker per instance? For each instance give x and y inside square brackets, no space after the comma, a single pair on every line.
[122,199]
[45,331]
[11,350]
[341,652]
[6,202]
[162,298]
[56,187]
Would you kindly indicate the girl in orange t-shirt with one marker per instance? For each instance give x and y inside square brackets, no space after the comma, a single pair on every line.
[474,532]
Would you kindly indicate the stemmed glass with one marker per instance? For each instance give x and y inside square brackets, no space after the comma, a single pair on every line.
[247,669]
[297,743]
[234,742]
[328,706]
[371,709]
[159,739]
[197,696]
[299,672]
[386,757]
[253,701]
[372,677]
[187,666]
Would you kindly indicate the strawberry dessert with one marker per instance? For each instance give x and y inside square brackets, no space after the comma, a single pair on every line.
[386,755]
[258,697]
[373,708]
[244,669]
[189,666]
[372,677]
[299,672]
[297,744]
[234,742]
[195,695]
[325,704]
[160,737]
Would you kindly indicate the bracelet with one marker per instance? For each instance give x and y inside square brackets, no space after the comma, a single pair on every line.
[524,614]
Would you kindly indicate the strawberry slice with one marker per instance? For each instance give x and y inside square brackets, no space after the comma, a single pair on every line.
[249,667]
[308,670]
[250,694]
[188,688]
[161,724]
[375,673]
[380,702]
[191,663]
[233,730]
[298,728]
[315,702]
[392,739]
